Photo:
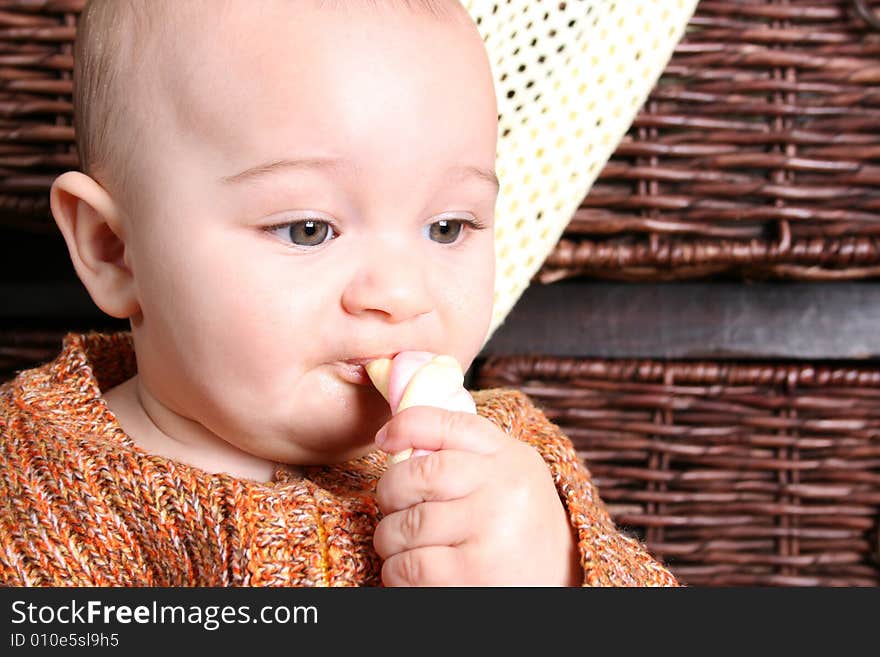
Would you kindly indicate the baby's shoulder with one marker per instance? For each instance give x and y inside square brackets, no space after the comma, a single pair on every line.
[8,411]
[33,431]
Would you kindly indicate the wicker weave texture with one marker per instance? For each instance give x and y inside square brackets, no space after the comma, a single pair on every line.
[36,106]
[734,474]
[756,154]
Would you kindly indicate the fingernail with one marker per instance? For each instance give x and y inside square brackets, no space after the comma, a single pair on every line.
[381,436]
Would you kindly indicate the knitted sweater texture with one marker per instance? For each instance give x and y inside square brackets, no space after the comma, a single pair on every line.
[82,505]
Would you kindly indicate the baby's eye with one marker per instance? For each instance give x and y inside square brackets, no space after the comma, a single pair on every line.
[448,230]
[311,232]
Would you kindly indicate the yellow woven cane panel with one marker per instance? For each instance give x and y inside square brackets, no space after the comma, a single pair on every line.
[570,78]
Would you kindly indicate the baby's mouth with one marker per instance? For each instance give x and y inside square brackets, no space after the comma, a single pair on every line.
[353,370]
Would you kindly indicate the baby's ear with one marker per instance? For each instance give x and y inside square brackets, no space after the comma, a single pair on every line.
[89,219]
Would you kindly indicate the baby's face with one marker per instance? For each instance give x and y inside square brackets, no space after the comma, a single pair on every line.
[245,307]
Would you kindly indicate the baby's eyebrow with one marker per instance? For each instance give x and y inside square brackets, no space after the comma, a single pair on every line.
[335,164]
[487,175]
[268,168]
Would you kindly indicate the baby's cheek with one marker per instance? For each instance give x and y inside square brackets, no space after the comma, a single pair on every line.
[476,324]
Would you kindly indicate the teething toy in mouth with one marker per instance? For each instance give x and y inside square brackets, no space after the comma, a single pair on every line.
[420,378]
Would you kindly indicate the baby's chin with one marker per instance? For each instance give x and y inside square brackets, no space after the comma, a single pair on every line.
[304,452]
[327,456]
[332,424]
[329,443]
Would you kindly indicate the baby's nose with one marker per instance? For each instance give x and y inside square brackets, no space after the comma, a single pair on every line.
[394,283]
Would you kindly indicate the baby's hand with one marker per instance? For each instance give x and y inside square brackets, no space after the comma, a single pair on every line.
[482,508]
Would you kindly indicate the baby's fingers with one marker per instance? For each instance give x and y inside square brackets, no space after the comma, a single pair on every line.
[430,428]
[435,477]
[427,566]
[423,525]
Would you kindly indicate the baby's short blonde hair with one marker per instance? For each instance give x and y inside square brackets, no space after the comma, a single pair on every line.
[113,45]
[109,32]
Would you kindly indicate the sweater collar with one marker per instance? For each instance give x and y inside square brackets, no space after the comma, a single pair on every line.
[96,362]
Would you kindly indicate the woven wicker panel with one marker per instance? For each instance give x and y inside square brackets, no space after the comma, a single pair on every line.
[756,154]
[733,474]
[36,106]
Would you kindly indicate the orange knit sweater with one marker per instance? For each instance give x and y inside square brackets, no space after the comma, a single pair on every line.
[80,504]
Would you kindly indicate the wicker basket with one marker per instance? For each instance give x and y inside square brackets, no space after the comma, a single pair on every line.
[36,107]
[734,474]
[756,155]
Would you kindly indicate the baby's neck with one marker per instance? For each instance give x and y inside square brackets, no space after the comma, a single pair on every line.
[146,422]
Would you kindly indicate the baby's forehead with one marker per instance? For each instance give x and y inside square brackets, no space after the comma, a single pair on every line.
[246,87]
[199,39]
[186,20]
[206,66]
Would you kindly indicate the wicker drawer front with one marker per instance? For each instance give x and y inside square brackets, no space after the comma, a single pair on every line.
[734,474]
[756,154]
[36,107]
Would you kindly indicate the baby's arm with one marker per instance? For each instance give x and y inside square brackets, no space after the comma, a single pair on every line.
[608,557]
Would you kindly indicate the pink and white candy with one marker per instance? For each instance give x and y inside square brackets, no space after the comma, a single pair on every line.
[420,378]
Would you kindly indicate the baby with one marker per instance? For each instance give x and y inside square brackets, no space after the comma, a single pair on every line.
[275,194]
